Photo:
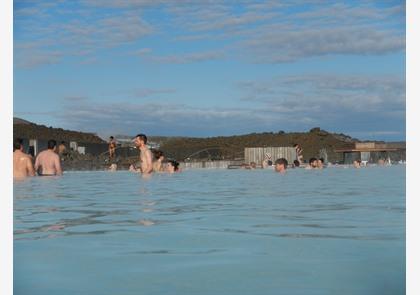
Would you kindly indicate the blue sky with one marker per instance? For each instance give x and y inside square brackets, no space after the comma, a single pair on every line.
[209,68]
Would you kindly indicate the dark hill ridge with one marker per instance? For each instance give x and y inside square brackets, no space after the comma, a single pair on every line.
[28,130]
[233,146]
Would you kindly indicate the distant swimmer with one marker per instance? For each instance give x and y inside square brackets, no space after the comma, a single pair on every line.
[158,159]
[172,166]
[113,167]
[22,163]
[357,163]
[280,165]
[47,163]
[146,165]
[320,163]
[112,145]
[62,148]
[299,153]
[296,164]
[267,161]
[313,164]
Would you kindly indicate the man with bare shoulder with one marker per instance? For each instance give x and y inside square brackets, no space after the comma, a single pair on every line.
[22,163]
[146,165]
[47,163]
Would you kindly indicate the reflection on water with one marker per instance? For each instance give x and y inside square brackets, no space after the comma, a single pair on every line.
[334,222]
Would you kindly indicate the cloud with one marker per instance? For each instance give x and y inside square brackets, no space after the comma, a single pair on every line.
[188,57]
[358,105]
[81,34]
[270,32]
[259,31]
[146,92]
[278,46]
[31,59]
[328,93]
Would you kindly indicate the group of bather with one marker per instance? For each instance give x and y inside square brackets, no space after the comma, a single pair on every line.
[150,161]
[47,163]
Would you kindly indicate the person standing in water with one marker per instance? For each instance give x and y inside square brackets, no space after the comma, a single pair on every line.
[47,163]
[146,165]
[112,144]
[299,153]
[22,163]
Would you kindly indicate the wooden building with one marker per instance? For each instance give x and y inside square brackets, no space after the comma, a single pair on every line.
[371,152]
[259,154]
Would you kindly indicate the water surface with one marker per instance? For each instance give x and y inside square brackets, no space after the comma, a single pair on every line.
[334,231]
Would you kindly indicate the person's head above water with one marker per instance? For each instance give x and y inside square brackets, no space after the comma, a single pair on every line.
[52,144]
[320,163]
[296,163]
[172,166]
[281,165]
[158,154]
[18,144]
[313,162]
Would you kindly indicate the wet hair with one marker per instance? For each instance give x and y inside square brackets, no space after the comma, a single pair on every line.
[51,144]
[321,159]
[17,144]
[63,142]
[175,164]
[270,163]
[142,137]
[282,161]
[157,154]
[311,160]
[296,163]
[111,137]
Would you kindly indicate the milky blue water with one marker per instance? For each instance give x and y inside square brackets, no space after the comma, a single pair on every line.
[334,231]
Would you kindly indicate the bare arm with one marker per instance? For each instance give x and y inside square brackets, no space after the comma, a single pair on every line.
[57,165]
[30,167]
[37,163]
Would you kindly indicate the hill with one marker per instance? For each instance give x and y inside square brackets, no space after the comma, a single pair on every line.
[233,146]
[29,130]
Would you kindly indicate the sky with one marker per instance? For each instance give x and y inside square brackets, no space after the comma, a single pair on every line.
[211,68]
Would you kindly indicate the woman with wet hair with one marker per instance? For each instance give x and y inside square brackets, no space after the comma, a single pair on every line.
[172,166]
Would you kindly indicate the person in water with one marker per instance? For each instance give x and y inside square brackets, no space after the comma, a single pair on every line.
[158,159]
[313,164]
[146,165]
[299,153]
[357,163]
[112,145]
[62,148]
[22,163]
[47,163]
[172,166]
[320,163]
[296,164]
[280,165]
